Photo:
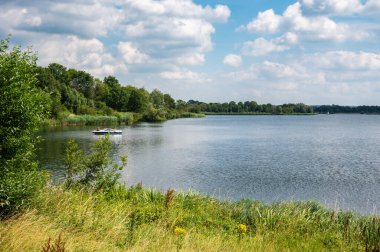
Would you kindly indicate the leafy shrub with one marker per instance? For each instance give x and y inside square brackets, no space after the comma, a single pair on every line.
[95,171]
[22,108]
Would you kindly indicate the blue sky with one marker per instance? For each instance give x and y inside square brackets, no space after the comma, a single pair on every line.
[311,51]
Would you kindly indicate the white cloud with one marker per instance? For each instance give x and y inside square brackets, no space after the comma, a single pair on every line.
[279,70]
[156,33]
[372,7]
[306,28]
[251,73]
[266,22]
[232,60]
[346,60]
[221,13]
[182,75]
[192,59]
[183,8]
[131,54]
[288,38]
[261,46]
[71,51]
[11,18]
[340,7]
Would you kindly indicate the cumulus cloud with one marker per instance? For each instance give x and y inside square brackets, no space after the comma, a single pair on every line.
[162,33]
[191,59]
[304,27]
[232,60]
[183,8]
[265,22]
[18,17]
[346,7]
[261,46]
[131,54]
[71,51]
[346,60]
[340,8]
[372,7]
[345,77]
[185,75]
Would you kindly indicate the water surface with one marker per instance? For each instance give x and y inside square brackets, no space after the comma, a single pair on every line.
[334,159]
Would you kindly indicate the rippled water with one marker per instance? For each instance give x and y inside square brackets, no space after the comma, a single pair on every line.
[334,159]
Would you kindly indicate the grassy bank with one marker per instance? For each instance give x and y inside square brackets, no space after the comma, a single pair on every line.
[80,120]
[118,119]
[138,219]
[190,115]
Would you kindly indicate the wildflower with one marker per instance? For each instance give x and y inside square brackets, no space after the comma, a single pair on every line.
[242,228]
[180,231]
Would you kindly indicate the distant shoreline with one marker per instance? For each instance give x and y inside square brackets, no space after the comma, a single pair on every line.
[257,114]
[295,114]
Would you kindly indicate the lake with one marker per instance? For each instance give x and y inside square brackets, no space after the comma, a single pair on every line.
[333,159]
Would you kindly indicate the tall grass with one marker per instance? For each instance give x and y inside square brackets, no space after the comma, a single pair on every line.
[138,219]
[119,118]
[91,120]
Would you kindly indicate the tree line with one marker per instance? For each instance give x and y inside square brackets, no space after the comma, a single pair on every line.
[247,107]
[333,109]
[78,92]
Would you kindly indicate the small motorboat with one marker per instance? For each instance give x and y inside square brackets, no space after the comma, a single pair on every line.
[107,131]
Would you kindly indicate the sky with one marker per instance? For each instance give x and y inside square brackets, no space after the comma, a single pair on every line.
[310,51]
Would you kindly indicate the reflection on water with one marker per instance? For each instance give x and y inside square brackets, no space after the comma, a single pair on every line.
[333,159]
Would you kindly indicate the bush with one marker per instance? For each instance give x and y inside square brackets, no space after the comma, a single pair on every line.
[155,114]
[95,171]
[22,108]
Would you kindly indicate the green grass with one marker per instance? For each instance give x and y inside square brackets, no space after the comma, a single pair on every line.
[137,219]
[91,120]
[191,115]
[118,118]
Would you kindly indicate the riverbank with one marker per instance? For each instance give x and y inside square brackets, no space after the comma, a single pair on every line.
[138,219]
[120,118]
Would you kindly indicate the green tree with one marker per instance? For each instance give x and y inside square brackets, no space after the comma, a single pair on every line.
[95,171]
[169,101]
[22,107]
[157,98]
[83,82]
[138,99]
[59,72]
[181,105]
[118,96]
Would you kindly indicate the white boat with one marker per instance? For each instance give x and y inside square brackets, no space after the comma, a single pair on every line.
[107,131]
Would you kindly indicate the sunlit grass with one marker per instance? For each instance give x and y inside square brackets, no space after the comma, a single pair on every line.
[138,219]
[119,118]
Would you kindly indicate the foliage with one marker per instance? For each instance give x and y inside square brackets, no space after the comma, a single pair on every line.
[247,107]
[91,120]
[116,118]
[72,91]
[332,109]
[22,108]
[105,221]
[94,171]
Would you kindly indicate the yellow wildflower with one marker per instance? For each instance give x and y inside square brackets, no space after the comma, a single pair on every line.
[179,231]
[242,228]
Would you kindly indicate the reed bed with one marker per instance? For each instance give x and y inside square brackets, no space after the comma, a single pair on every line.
[119,118]
[138,219]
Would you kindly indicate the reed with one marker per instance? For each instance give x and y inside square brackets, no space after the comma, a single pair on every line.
[119,118]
